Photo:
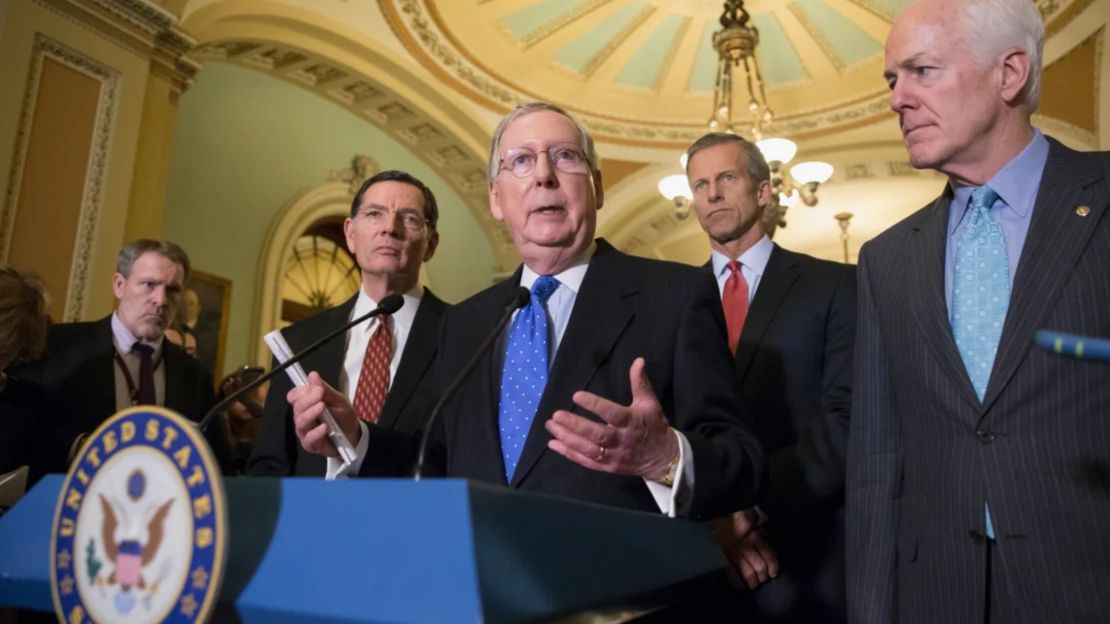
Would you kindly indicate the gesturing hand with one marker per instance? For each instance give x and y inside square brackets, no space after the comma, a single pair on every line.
[634,439]
[308,403]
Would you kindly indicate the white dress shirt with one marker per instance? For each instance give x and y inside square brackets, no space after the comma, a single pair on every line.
[559,307]
[753,263]
[357,338]
[123,340]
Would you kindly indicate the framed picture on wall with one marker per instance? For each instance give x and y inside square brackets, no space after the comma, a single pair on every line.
[204,310]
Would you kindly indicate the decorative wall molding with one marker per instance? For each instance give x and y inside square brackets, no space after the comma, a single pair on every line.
[141,27]
[93,192]
[460,166]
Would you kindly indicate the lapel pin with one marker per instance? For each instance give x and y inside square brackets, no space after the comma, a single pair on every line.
[1083,211]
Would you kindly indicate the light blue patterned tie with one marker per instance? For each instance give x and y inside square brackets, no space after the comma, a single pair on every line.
[525,373]
[980,289]
[980,296]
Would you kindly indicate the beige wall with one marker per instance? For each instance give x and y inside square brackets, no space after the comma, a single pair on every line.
[76,79]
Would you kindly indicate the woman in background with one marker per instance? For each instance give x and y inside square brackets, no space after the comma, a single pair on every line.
[23,323]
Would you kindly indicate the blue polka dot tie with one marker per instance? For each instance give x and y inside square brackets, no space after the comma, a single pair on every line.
[980,289]
[525,373]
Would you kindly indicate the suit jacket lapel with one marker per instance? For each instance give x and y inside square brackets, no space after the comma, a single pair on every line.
[600,315]
[778,278]
[104,385]
[926,274]
[328,361]
[1056,238]
[487,375]
[177,394]
[417,356]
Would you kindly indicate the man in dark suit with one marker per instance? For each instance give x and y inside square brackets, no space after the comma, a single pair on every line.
[391,232]
[978,466]
[612,385]
[93,369]
[791,323]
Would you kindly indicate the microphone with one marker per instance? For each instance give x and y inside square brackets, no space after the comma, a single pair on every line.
[388,305]
[1073,345]
[520,298]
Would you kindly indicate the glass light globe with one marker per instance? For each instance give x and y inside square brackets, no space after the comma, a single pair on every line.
[812,171]
[782,150]
[675,186]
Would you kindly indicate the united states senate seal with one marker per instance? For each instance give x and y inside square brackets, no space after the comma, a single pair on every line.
[140,529]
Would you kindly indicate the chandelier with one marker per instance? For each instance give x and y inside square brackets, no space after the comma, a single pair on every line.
[735,43]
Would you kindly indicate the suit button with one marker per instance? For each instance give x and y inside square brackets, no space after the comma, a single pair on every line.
[984,436]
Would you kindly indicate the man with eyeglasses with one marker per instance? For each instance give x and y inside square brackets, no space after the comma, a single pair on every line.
[391,232]
[613,385]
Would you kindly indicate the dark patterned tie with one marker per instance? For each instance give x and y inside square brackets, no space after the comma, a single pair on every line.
[146,394]
[373,380]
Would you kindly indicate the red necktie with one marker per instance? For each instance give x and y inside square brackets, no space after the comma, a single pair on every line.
[373,380]
[734,299]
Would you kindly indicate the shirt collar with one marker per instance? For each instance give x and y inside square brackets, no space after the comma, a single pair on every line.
[571,277]
[403,317]
[125,340]
[1016,183]
[755,258]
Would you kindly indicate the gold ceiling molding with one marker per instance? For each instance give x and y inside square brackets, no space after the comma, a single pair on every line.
[465,78]
[139,26]
[458,165]
[566,18]
[603,54]
[419,26]
[883,11]
[1056,16]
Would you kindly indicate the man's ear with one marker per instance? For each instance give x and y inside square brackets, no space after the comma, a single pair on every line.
[763,194]
[1016,69]
[118,282]
[433,242]
[348,226]
[599,189]
[495,202]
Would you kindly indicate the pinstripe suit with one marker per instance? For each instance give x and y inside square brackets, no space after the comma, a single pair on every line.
[925,454]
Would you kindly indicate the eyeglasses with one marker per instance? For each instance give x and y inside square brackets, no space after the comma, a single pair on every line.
[411,219]
[568,158]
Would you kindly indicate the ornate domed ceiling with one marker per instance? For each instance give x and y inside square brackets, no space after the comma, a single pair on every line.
[644,70]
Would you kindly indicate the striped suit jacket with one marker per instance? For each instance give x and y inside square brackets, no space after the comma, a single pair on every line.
[925,454]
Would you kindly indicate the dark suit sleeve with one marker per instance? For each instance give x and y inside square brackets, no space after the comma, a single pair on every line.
[275,452]
[216,434]
[808,476]
[728,459]
[394,452]
[874,470]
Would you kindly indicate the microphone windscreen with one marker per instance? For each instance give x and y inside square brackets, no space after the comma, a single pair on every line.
[391,303]
[520,298]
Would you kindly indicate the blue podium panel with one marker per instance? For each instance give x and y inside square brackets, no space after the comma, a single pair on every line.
[358,550]
[25,547]
[397,551]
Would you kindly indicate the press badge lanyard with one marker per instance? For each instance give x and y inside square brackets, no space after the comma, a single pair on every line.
[132,387]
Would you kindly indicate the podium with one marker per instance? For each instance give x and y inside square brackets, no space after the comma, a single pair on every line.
[387,550]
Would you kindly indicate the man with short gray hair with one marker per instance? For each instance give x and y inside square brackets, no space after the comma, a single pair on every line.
[791,322]
[94,369]
[977,487]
